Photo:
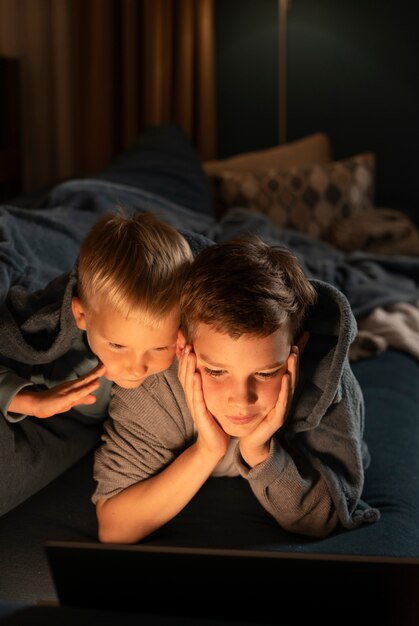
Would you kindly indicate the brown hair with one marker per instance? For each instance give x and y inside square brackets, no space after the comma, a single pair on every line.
[134,263]
[245,286]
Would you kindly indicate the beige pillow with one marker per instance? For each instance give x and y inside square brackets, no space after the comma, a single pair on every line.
[308,199]
[309,150]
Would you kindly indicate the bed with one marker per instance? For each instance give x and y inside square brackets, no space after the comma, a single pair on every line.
[295,195]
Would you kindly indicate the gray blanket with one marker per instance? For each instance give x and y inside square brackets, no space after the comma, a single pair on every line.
[36,245]
[368,280]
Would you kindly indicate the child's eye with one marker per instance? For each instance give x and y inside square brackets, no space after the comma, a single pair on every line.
[268,375]
[214,373]
[170,346]
[115,346]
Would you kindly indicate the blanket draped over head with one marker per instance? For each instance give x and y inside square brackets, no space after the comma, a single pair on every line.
[37,245]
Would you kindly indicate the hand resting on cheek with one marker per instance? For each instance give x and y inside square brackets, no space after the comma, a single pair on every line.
[210,434]
[254,444]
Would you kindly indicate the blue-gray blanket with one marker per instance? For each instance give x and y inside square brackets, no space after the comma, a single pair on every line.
[37,244]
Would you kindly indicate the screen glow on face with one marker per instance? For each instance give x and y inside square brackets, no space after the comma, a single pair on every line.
[131,349]
[241,378]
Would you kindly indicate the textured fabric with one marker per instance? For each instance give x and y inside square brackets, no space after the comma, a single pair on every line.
[76,362]
[39,327]
[300,485]
[367,280]
[381,231]
[35,451]
[308,199]
[38,245]
[397,327]
[101,196]
[164,161]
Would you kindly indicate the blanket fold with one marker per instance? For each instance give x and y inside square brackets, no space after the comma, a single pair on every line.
[37,245]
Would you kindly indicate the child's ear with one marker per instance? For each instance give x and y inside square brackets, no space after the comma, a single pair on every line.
[302,341]
[78,313]
[180,343]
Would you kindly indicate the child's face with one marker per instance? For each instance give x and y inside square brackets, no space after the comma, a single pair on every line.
[241,378]
[129,350]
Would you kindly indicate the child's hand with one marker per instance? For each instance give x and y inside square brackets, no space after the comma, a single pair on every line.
[65,396]
[254,448]
[211,437]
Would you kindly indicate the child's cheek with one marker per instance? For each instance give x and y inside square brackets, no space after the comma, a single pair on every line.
[268,393]
[212,392]
[273,389]
[206,384]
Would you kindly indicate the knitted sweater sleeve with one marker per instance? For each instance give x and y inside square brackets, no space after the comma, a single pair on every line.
[148,427]
[10,385]
[312,480]
[292,491]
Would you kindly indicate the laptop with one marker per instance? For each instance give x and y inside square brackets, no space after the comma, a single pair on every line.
[244,586]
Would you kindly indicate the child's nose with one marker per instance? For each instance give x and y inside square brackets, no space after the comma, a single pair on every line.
[138,366]
[242,394]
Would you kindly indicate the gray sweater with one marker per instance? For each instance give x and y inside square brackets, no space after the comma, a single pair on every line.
[314,474]
[42,347]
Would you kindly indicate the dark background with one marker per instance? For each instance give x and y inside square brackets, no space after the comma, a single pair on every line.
[351,73]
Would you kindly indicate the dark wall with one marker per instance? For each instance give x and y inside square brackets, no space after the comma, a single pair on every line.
[246,74]
[352,73]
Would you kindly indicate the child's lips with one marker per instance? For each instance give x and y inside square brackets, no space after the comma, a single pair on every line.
[240,419]
[133,381]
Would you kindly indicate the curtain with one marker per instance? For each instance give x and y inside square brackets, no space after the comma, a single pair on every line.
[94,73]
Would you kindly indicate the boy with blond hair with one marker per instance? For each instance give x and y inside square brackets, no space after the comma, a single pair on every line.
[114,318]
[262,389]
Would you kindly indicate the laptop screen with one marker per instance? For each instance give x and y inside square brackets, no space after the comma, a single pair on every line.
[254,586]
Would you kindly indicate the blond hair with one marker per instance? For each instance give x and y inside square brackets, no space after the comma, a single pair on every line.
[245,286]
[133,263]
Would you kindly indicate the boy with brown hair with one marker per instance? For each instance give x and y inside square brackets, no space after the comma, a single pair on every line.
[114,318]
[263,389]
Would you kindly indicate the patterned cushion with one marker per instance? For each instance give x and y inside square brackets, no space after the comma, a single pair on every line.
[307,199]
